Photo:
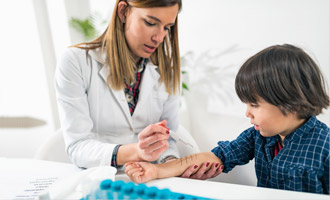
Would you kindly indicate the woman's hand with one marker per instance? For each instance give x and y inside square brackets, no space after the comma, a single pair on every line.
[141,172]
[153,141]
[204,172]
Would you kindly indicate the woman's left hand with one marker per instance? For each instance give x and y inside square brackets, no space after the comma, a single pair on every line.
[204,172]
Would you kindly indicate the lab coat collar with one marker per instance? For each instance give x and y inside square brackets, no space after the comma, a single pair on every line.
[98,55]
[150,78]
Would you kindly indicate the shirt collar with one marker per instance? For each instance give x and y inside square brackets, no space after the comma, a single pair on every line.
[298,133]
[142,64]
[301,131]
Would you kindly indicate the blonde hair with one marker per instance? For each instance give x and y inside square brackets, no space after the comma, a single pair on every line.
[120,60]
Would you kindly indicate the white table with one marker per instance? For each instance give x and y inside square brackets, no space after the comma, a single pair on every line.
[18,175]
[218,190]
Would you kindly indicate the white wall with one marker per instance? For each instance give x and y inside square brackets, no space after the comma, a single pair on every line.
[244,27]
[216,37]
[23,82]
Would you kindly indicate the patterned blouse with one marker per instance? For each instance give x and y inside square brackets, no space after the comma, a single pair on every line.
[132,95]
[132,90]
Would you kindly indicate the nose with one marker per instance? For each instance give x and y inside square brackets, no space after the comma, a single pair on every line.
[248,112]
[158,36]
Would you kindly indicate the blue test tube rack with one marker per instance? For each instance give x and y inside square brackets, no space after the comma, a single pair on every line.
[109,189]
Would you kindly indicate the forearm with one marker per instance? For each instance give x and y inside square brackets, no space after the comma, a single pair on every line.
[127,153]
[177,167]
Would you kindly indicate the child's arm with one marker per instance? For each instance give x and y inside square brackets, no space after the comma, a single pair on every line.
[143,172]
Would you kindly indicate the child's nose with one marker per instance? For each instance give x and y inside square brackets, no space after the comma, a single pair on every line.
[247,112]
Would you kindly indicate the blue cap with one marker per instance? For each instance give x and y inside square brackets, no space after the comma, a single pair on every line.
[106,184]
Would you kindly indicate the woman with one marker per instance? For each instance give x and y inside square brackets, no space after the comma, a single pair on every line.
[113,91]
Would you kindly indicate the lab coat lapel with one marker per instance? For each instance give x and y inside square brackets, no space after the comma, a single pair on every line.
[149,79]
[119,95]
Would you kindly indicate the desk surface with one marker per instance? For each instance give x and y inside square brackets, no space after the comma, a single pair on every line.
[18,175]
[218,190]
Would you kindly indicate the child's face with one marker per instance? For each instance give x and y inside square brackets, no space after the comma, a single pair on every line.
[269,119]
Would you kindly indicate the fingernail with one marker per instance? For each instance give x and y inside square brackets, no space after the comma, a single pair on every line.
[217,164]
[222,167]
[168,132]
[162,125]
[195,166]
[207,164]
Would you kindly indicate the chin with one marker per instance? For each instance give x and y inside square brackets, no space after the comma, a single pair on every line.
[263,134]
[146,55]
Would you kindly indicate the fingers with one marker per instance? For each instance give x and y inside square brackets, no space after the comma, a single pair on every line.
[189,171]
[162,123]
[131,166]
[136,176]
[153,128]
[214,171]
[153,147]
[219,171]
[204,172]
[148,141]
[134,171]
[200,174]
[201,171]
[154,152]
[153,141]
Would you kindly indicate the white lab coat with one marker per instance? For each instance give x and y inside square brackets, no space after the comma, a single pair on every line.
[95,118]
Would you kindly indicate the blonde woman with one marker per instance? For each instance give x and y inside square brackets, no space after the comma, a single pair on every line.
[114,92]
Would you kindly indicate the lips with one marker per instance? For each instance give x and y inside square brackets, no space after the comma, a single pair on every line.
[149,49]
[256,127]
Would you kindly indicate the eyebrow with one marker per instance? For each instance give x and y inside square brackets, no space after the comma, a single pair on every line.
[158,20]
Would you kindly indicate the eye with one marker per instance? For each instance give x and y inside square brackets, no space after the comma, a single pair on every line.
[167,28]
[148,23]
[253,105]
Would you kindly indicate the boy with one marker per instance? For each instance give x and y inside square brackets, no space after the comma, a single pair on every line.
[284,90]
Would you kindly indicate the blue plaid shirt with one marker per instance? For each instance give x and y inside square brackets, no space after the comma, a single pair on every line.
[301,165]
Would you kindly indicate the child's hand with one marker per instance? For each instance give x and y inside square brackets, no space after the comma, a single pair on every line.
[141,172]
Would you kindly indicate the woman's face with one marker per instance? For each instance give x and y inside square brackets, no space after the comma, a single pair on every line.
[146,28]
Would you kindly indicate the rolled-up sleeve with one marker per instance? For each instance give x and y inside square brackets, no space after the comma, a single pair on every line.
[237,152]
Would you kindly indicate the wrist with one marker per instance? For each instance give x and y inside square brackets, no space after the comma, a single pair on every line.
[114,157]
[128,153]
[162,169]
[137,152]
[168,158]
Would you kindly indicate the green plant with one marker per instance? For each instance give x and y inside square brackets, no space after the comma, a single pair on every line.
[85,27]
[89,27]
[184,85]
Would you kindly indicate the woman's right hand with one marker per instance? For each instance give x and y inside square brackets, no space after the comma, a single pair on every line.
[153,141]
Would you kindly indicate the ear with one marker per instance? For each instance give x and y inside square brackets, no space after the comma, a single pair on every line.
[121,11]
